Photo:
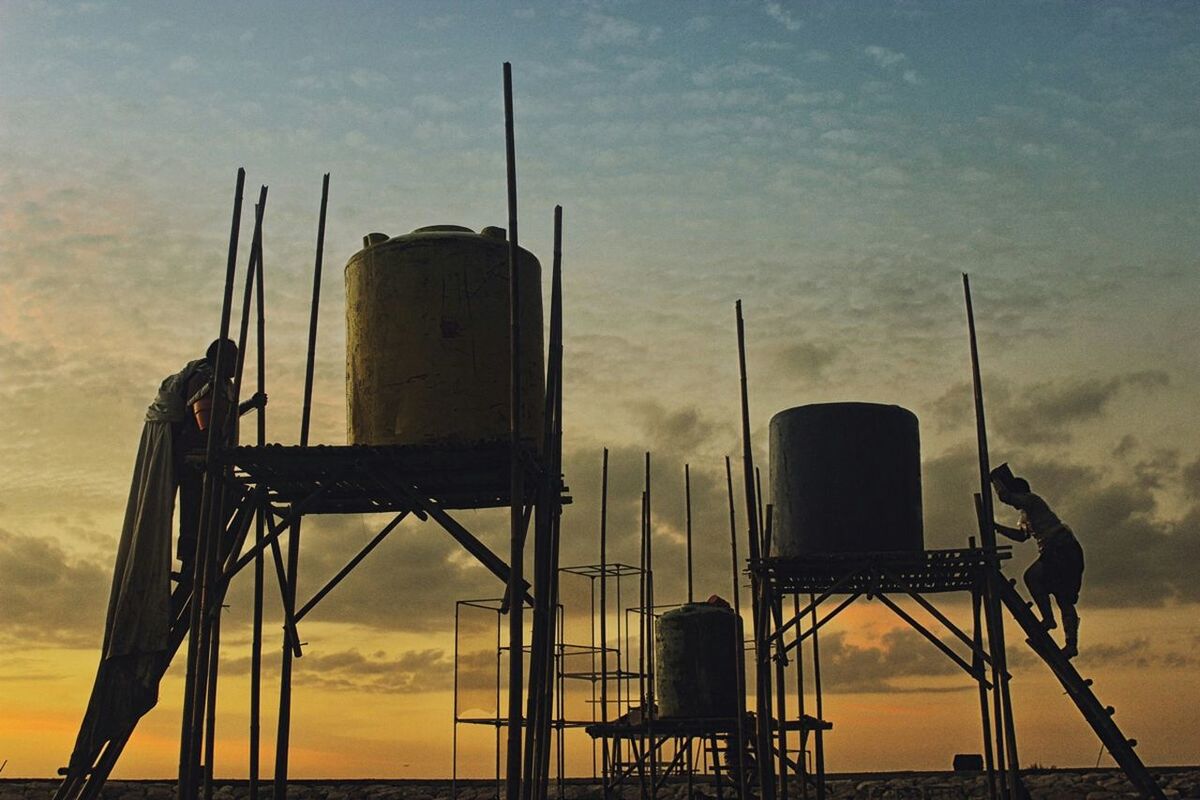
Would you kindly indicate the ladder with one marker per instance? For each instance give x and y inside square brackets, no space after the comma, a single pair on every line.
[1100,717]
[86,783]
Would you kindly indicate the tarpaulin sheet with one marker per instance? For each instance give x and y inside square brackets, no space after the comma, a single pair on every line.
[137,628]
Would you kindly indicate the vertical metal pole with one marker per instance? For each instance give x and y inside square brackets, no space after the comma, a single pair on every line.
[687,503]
[740,756]
[604,623]
[988,538]
[516,468]
[766,774]
[189,745]
[259,526]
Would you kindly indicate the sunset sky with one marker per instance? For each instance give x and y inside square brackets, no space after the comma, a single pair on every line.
[836,166]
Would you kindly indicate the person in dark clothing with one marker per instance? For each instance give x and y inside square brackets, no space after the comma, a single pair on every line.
[1058,570]
[195,384]
[137,628]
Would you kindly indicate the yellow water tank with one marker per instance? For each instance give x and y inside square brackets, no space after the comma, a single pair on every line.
[427,339]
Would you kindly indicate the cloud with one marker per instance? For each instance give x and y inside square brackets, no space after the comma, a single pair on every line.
[777,12]
[603,30]
[409,672]
[831,97]
[900,654]
[884,57]
[807,360]
[1044,411]
[185,64]
[363,78]
[49,597]
[677,430]
[1141,653]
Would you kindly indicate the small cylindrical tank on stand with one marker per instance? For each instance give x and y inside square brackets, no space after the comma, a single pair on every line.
[696,650]
[427,339]
[845,478]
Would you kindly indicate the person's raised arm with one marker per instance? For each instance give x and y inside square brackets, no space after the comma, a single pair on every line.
[257,400]
[1016,534]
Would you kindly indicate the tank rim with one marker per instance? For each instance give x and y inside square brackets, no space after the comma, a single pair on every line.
[421,237]
[849,404]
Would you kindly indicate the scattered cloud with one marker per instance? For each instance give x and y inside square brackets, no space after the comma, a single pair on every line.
[603,30]
[900,654]
[884,57]
[1045,411]
[48,596]
[807,360]
[185,64]
[777,12]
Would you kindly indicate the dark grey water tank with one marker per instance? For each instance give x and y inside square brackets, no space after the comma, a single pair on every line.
[696,649]
[845,478]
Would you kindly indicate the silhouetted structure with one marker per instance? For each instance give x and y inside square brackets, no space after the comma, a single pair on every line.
[274,487]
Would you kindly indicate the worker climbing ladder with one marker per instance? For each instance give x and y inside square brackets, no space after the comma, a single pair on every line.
[1100,717]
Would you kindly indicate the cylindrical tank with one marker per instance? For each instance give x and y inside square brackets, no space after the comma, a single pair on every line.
[427,339]
[696,648]
[845,478]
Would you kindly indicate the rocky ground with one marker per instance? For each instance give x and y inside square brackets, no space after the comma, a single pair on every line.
[1178,784]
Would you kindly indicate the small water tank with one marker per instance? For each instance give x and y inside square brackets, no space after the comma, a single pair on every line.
[427,339]
[845,478]
[696,650]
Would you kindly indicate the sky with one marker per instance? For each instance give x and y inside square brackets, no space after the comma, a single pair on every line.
[835,166]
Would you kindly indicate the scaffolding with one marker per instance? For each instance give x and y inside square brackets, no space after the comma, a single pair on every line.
[559,721]
[975,569]
[272,488]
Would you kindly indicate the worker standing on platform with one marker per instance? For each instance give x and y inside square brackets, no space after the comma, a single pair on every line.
[1058,570]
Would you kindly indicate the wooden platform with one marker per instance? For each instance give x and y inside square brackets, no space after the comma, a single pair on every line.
[851,573]
[357,479]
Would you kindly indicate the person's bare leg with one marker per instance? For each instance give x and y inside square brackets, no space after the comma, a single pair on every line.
[1070,619]
[1035,580]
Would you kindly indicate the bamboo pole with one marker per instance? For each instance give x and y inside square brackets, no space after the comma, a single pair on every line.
[516,468]
[550,496]
[309,369]
[259,524]
[687,504]
[819,699]
[801,764]
[648,618]
[189,744]
[604,777]
[766,773]
[743,790]
[987,534]
[291,644]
